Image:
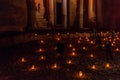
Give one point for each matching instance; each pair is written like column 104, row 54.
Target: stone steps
column 41, row 22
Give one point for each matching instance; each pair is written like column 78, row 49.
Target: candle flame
column 80, row 74
column 23, row 60
column 93, row 67
column 91, row 55
column 107, row 65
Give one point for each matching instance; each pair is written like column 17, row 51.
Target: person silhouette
column 98, row 41
column 109, row 53
column 38, row 8
column 60, row 49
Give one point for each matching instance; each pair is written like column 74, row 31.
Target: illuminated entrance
column 52, row 13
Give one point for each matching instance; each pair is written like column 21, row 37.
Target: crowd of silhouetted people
column 108, row 47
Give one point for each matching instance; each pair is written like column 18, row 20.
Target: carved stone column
column 91, row 10
column 99, row 12
column 51, row 12
column 81, row 13
column 64, row 2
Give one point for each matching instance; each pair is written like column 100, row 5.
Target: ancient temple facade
column 21, row 15
column 68, row 13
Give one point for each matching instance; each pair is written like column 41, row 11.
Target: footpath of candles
column 81, row 59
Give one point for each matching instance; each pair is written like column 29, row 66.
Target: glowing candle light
column 91, row 55
column 93, row 67
column 91, row 42
column 79, row 38
column 110, row 40
column 107, row 32
column 86, row 37
column 80, row 74
column 47, row 34
column 78, row 41
column 58, row 33
column 40, row 50
column 32, row 68
column 112, row 44
column 103, row 45
column 88, row 40
column 42, row 41
column 68, row 33
column 55, row 66
column 23, row 60
column 117, row 32
column 42, row 58
column 117, row 49
column 58, row 39
column 36, row 34
column 76, row 33
column 84, row 48
column 109, row 36
column 70, row 45
column 73, row 49
column 69, row 62
column 73, row 54
column 114, row 39
column 117, row 38
column 107, row 65
column 55, row 48
column 104, row 39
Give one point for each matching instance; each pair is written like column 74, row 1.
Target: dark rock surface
column 13, row 15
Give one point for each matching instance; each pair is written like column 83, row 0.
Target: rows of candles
column 74, row 52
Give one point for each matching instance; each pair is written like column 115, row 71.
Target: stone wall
column 13, row 15
column 111, row 14
column 72, row 11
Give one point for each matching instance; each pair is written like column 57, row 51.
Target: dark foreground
column 81, row 60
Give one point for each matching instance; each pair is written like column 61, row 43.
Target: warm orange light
column 40, row 50
column 58, row 33
column 80, row 74
column 58, row 39
column 91, row 42
column 36, row 34
column 104, row 39
column 70, row 45
column 112, row 44
column 47, row 34
column 88, row 40
column 42, row 41
column 91, row 55
column 73, row 49
column 84, row 48
column 55, row 66
column 79, row 38
column 93, row 67
column 68, row 33
column 78, row 41
column 23, row 60
column 42, row 58
column 110, row 40
column 117, row 49
column 32, row 68
column 117, row 38
column 73, row 54
column 103, row 45
column 69, row 62
column 107, row 65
